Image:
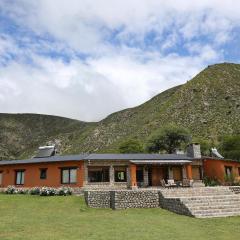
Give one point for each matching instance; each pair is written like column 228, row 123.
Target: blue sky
column 86, row 59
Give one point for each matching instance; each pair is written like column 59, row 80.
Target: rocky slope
column 209, row 105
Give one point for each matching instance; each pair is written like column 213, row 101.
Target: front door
column 177, row 173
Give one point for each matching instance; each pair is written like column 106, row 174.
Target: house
column 101, row 170
column 222, row 170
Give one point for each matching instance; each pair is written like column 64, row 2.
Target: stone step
column 215, row 212
column 212, row 204
column 223, row 207
column 217, row 215
column 197, row 193
column 205, row 204
column 208, row 199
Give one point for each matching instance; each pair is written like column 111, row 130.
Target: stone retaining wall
column 173, row 205
column 97, row 199
column 134, row 199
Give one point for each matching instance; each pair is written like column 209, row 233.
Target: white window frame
column 69, row 175
column 20, row 177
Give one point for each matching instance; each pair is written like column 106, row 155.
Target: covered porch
column 151, row 173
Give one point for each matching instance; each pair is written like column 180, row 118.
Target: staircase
column 202, row 202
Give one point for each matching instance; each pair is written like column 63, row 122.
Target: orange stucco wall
column 189, row 171
column 133, row 171
column 32, row 174
column 214, row 168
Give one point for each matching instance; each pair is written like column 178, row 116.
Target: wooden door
column 177, row 173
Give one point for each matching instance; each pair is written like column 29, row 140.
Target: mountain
column 209, row 105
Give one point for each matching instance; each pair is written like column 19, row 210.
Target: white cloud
column 92, row 89
column 127, row 46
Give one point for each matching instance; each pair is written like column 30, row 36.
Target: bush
column 34, row 191
column 10, row 190
column 14, row 190
column 229, row 179
column 21, row 191
column 41, row 191
column 211, row 182
column 48, row 191
column 64, row 191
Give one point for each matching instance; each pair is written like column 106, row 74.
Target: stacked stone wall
column 97, row 199
column 173, row 205
column 134, row 199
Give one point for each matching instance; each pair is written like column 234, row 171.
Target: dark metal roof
column 221, row 159
column 137, row 156
column 160, row 162
column 55, row 158
column 79, row 157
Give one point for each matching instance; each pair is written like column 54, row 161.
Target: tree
column 230, row 147
column 168, row 138
column 131, row 146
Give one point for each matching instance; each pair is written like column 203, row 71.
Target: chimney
column 194, row 150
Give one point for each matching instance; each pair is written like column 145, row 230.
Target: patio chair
column 164, row 184
column 187, row 183
column 172, row 183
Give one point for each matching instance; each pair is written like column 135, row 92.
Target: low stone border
column 235, row 189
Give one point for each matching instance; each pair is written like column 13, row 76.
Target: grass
column 43, row 218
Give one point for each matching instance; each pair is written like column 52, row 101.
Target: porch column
column 111, row 175
column 128, row 177
column 133, row 171
column 170, row 172
column 184, row 173
column 85, row 181
column 81, row 174
column 189, row 171
column 145, row 176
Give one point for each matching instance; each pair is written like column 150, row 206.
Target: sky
column 85, row 59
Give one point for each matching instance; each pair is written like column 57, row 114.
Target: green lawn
column 43, row 218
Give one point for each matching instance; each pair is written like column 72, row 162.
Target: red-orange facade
column 32, row 174
column 219, row 169
column 212, row 168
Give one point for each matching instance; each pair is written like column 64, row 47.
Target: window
column 20, row 177
column 43, row 173
column 120, row 174
column 1, row 177
column 98, row 174
column 69, row 175
column 228, row 171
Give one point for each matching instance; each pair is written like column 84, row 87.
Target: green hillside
column 209, row 105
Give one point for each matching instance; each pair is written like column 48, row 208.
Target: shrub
column 211, row 182
column 34, row 191
column 229, row 179
column 64, row 191
column 10, row 190
column 42, row 191
column 48, row 191
column 21, row 191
